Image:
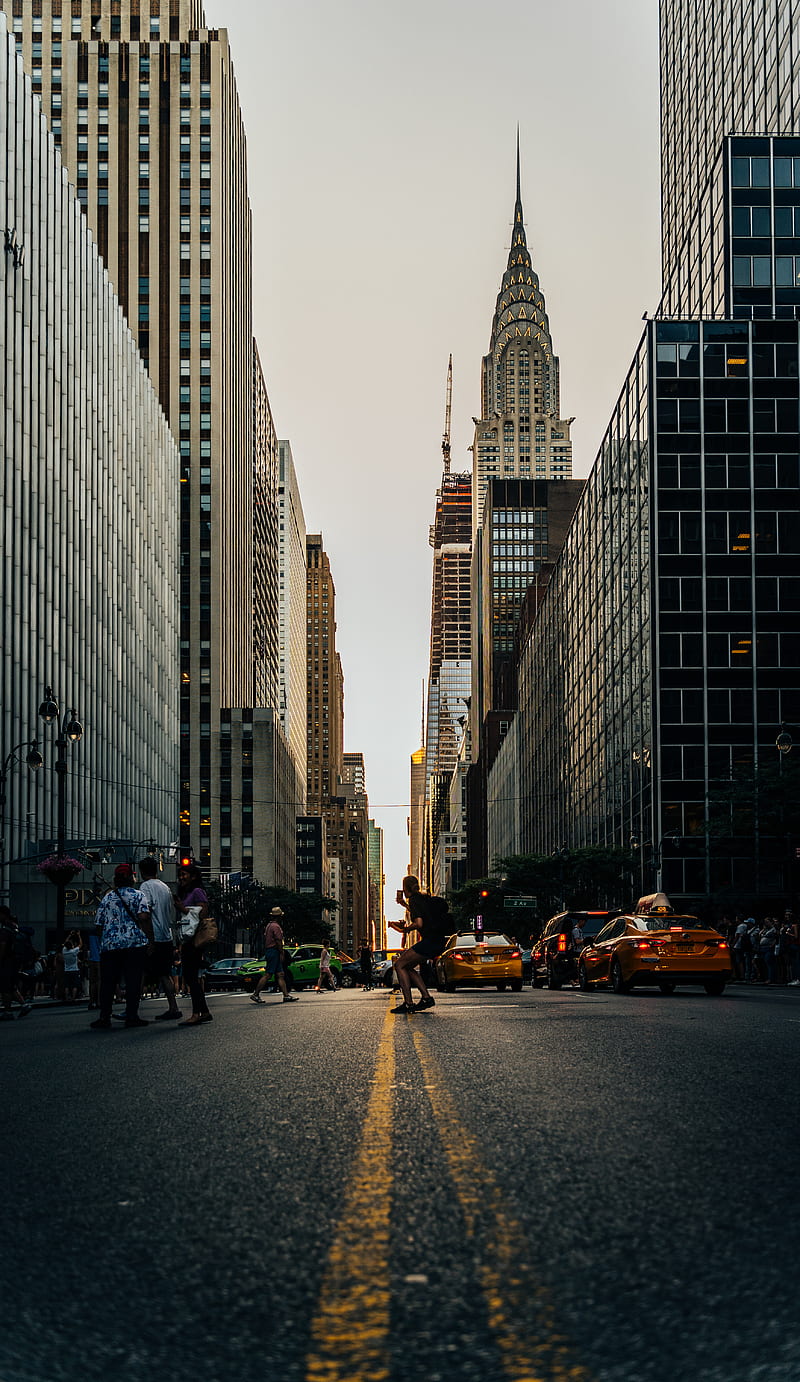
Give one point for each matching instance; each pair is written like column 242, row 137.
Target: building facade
column 88, row 546
column 292, row 585
column 726, row 69
column 376, row 918
column 312, row 855
column 449, row 673
column 416, row 819
column 666, row 653
column 141, row 97
column 324, row 681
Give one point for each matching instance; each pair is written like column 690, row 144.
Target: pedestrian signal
column 186, row 861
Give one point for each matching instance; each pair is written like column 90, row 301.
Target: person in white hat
column 273, row 942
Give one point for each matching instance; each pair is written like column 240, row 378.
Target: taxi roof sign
column 654, row 905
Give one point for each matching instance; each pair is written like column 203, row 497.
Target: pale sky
column 381, row 144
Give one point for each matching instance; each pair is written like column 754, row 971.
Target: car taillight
column 722, row 945
column 562, row 943
column 645, row 945
column 457, row 955
column 515, row 955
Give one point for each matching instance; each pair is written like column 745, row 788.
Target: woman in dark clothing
column 191, row 893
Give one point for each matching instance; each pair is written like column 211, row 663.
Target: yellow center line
column 511, row 1292
column 350, row 1331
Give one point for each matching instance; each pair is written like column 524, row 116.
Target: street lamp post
column 70, row 731
column 34, row 760
column 561, row 854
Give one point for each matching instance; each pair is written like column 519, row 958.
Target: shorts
column 428, row 950
column 160, row 960
column 72, row 979
column 274, row 963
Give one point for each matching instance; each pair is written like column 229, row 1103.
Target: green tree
column 596, row 876
column 237, row 909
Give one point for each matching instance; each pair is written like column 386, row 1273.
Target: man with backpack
column 431, row 917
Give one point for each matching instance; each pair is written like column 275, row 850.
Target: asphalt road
column 535, row 1187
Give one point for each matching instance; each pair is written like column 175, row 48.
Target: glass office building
column 666, row 653
column 89, row 548
column 726, row 68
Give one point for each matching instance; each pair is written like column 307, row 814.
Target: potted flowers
column 60, row 868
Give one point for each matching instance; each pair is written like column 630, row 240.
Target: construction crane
column 447, row 414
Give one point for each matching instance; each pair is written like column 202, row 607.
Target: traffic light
column 185, row 861
column 484, row 894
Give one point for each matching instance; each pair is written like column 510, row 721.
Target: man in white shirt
column 162, row 911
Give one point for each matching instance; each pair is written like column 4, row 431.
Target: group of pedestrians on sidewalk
column 136, row 926
column 767, row 951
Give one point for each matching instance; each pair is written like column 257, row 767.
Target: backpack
column 438, row 909
column 24, row 952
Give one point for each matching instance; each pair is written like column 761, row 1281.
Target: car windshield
column 464, row 942
column 670, row 924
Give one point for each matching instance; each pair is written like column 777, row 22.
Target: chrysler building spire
column 520, row 433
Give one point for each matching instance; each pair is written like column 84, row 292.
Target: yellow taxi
column 478, row 959
column 657, row 947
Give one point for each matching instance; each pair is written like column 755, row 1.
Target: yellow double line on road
column 350, row 1331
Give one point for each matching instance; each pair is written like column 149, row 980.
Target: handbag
column 188, row 923
column 207, row 931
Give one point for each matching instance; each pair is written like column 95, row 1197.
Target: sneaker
column 424, row 1003
column 25, row 1009
column 119, row 1017
column 255, row 997
column 102, row 1024
column 168, row 1015
column 290, row 998
column 204, row 1017
column 404, row 1008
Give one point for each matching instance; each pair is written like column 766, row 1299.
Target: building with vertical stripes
column 89, row 540
column 141, row 98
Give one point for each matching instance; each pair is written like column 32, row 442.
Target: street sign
column 523, row 903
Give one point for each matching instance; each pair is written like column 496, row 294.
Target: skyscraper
column 449, row 673
column 666, row 651
column 522, row 501
column 377, row 880
column 324, row 682
column 292, row 585
column 726, row 69
column 520, row 432
column 142, row 99
column 88, row 549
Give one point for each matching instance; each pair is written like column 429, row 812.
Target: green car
column 303, row 967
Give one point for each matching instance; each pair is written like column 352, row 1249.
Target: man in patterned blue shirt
column 126, row 933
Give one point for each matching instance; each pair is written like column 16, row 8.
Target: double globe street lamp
column 33, row 760
column 70, row 731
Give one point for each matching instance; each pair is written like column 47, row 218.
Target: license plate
column 486, row 959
